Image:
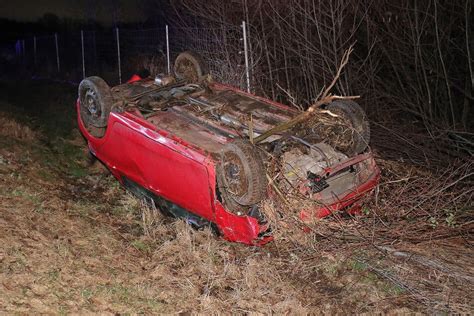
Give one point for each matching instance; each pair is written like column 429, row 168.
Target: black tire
column 96, row 102
column 190, row 66
column 355, row 116
column 241, row 176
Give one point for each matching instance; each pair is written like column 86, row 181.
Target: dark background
column 412, row 61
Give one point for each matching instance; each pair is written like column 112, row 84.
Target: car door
column 159, row 164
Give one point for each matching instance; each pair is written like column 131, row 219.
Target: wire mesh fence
column 116, row 54
column 221, row 49
column 100, row 55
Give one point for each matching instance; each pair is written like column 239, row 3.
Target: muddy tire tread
column 197, row 61
column 359, row 121
column 96, row 127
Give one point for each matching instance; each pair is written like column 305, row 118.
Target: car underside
column 187, row 145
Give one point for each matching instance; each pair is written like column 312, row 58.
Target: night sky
column 100, row 10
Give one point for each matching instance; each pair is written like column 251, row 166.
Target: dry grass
column 67, row 246
column 9, row 127
column 72, row 241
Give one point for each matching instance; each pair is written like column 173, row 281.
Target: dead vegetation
column 415, row 232
column 72, row 241
column 69, row 247
column 11, row 128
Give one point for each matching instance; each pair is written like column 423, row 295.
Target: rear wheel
column 240, row 176
column 96, row 102
column 355, row 119
column 190, row 67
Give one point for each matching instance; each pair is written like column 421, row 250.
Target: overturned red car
column 185, row 144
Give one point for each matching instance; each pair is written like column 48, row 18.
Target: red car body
column 144, row 152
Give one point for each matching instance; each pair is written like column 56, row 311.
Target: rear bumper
column 350, row 201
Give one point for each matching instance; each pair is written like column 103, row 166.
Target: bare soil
column 73, row 241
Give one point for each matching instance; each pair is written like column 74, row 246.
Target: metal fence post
column 168, row 50
column 57, row 50
column 83, row 58
column 118, row 54
column 246, row 55
column 34, row 49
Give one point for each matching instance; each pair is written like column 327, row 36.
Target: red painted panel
column 157, row 163
column 159, row 169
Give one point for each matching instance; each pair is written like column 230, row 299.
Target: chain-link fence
column 116, row 54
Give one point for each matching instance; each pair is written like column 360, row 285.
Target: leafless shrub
column 412, row 61
column 154, row 63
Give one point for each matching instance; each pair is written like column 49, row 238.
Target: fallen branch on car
column 325, row 98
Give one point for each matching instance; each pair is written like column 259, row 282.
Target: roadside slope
column 72, row 240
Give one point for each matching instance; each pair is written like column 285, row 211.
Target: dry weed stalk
column 411, row 205
column 151, row 217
